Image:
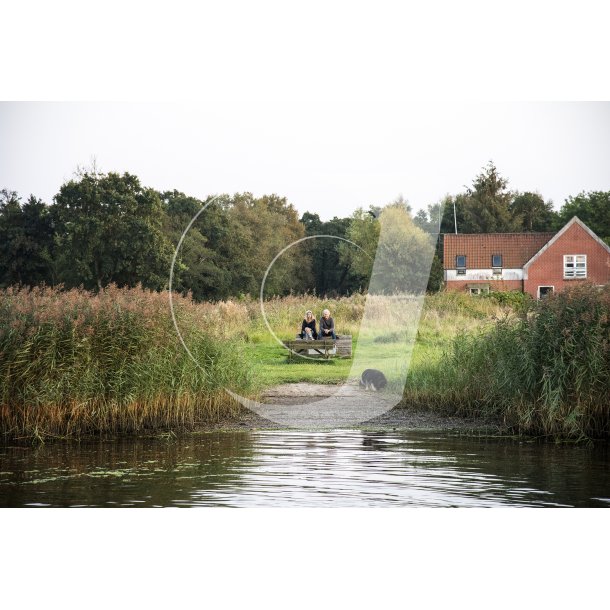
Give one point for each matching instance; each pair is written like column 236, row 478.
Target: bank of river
column 296, row 401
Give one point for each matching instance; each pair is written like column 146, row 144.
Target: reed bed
column 73, row 363
column 545, row 371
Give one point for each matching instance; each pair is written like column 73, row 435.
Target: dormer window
column 496, row 263
column 460, row 264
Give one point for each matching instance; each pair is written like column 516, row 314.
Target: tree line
column 104, row 228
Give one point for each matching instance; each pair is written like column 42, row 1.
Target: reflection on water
column 291, row 468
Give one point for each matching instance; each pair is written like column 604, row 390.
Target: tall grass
column 72, row 362
column 545, row 371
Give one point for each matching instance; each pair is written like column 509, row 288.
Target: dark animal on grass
column 373, row 379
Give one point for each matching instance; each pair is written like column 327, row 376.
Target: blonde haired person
column 308, row 327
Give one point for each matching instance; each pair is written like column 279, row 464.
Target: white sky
column 327, row 158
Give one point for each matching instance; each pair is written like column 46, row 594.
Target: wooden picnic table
column 342, row 347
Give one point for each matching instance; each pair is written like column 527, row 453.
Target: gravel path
column 287, row 406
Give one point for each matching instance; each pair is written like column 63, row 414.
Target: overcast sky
column 325, row 158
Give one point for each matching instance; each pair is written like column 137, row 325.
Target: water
column 293, row 468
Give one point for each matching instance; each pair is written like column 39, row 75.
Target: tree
column 400, row 202
column 109, row 229
column 532, row 213
column 593, row 208
column 436, row 278
column 432, row 221
column 402, row 258
column 26, row 241
column 403, row 255
column 329, row 275
column 200, row 266
column 259, row 228
column 363, row 230
column 485, row 207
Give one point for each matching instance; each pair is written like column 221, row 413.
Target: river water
column 300, row 468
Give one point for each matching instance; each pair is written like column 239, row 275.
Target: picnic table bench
column 325, row 348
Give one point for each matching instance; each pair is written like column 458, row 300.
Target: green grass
column 273, row 367
column 384, row 345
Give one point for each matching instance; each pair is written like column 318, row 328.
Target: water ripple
column 299, row 468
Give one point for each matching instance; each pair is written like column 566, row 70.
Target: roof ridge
column 513, row 233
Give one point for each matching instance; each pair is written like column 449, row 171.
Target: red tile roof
column 516, row 248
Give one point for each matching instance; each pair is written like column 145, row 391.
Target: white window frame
column 477, row 291
column 539, row 287
column 573, row 268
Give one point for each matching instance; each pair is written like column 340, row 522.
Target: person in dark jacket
column 327, row 326
column 308, row 327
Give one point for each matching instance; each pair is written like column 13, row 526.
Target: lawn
column 383, row 343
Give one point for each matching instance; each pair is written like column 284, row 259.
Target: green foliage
column 485, row 208
column 201, row 266
column 545, row 372
column 519, row 301
column 488, row 207
column 329, row 275
column 402, row 258
column 404, row 254
column 259, row 228
column 26, row 241
column 364, row 231
column 436, row 277
column 533, row 213
column 109, row 229
column 593, row 208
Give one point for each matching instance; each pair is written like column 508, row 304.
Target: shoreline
column 395, row 419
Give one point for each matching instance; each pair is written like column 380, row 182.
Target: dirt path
column 287, row 406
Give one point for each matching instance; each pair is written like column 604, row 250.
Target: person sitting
column 327, row 326
column 308, row 327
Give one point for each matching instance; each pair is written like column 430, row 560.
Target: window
column 460, row 264
column 545, row 291
column 496, row 260
column 478, row 289
column 574, row 266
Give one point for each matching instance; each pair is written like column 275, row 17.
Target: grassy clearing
column 383, row 340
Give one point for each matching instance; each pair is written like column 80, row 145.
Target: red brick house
column 537, row 263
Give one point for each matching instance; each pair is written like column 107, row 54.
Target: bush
column 514, row 298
